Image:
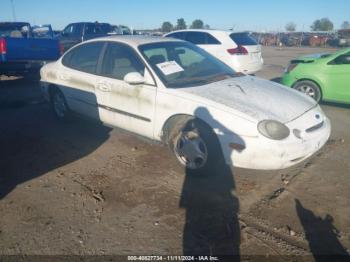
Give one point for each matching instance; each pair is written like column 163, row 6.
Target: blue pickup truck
column 24, row 49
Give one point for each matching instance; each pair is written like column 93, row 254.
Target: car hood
column 258, row 98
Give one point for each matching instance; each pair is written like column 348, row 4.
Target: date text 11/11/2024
column 173, row 258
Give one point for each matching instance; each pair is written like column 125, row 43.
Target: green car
column 324, row 77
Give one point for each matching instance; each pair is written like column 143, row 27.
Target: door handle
column 104, row 87
column 63, row 77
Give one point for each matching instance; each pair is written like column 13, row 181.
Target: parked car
column 24, row 49
column 238, row 50
column 322, row 76
column 172, row 91
column 75, row 33
column 344, row 37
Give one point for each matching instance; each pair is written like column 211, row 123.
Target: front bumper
column 288, row 80
column 266, row 154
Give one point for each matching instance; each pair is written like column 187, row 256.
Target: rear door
column 77, row 78
column 127, row 106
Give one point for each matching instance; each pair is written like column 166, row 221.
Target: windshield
column 182, row 64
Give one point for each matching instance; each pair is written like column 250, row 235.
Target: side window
column 119, row 60
column 89, row 29
column 77, row 30
column 342, row 60
column 84, row 57
column 178, row 35
column 197, row 38
column 211, row 40
column 68, row 30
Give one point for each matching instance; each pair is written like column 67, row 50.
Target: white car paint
column 232, row 107
column 248, row 64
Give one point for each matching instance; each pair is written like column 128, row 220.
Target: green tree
column 345, row 25
column 291, row 26
column 181, row 24
column 207, row 26
column 323, row 24
column 197, row 24
column 167, row 27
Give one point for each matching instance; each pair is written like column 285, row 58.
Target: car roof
column 210, row 31
column 88, row 23
column 135, row 40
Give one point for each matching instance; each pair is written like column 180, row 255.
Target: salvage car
column 236, row 49
column 172, row 91
column 324, row 77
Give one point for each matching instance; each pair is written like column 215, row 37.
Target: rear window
column 243, row 39
column 14, row 30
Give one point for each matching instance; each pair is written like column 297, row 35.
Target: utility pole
column 13, row 11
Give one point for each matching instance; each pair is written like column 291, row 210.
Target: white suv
column 236, row 49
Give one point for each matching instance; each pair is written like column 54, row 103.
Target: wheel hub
column 191, row 150
column 308, row 91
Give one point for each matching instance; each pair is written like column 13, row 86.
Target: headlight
column 273, row 129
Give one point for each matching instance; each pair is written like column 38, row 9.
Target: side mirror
column 134, row 78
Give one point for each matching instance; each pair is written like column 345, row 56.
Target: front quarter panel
column 229, row 127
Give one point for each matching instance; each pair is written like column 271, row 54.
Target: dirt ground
column 84, row 189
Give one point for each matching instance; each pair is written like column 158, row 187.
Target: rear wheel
column 309, row 88
column 59, row 105
column 196, row 147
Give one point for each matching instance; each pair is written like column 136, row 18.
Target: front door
column 127, row 106
column 338, row 74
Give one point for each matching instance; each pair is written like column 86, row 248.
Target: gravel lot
column 81, row 188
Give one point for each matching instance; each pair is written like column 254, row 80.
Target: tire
column 59, row 105
column 195, row 146
column 310, row 89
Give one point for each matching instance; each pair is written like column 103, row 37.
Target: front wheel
column 196, row 147
column 310, row 89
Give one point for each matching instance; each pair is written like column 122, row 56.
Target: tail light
column 61, row 48
column 3, row 47
column 290, row 67
column 239, row 50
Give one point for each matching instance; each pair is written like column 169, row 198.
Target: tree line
column 181, row 24
column 323, row 24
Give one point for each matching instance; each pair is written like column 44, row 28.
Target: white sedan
column 172, row 91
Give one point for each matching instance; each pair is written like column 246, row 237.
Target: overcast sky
column 255, row 15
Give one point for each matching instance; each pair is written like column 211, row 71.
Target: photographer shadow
column 211, row 226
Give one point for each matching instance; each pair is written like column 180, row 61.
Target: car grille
column 314, row 128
